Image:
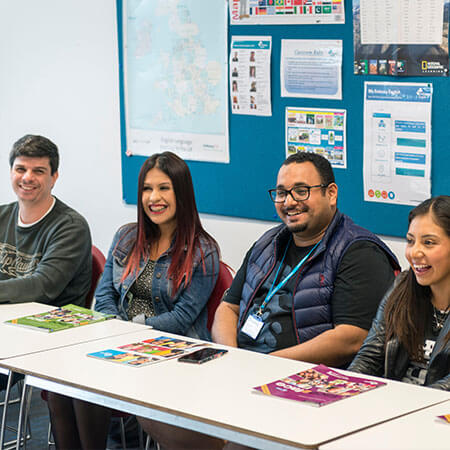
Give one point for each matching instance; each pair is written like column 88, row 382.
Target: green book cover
column 68, row 316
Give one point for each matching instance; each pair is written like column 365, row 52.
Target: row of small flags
column 261, row 7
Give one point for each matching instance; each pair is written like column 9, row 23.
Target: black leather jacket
column 392, row 361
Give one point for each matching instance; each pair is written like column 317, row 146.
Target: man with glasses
column 308, row 289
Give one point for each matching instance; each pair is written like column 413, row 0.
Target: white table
column 216, row 398
column 10, row 310
column 421, row 430
column 18, row 341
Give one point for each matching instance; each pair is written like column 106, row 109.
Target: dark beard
column 298, row 228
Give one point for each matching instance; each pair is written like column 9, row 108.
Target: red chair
column 98, row 265
column 223, row 282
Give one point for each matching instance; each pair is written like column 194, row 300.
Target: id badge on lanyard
column 252, row 326
column 254, row 323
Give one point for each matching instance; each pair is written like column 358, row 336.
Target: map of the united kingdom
column 176, row 66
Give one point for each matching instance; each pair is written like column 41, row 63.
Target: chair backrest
column 223, row 282
column 98, row 265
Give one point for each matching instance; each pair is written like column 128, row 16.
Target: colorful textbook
column 148, row 351
column 319, row 385
column 68, row 316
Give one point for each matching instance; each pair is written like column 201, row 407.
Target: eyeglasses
column 298, row 193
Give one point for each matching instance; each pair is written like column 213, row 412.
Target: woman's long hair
column 189, row 229
column 409, row 309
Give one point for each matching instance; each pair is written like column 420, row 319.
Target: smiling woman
column 160, row 271
column 410, row 336
column 428, row 253
column 168, row 231
column 160, row 206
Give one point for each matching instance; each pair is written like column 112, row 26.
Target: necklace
column 440, row 317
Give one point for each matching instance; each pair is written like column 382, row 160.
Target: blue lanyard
column 272, row 290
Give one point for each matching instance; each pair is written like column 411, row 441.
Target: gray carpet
column 39, row 425
column 39, row 420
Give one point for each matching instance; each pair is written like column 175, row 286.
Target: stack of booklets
column 149, row 351
column 58, row 319
column 319, row 385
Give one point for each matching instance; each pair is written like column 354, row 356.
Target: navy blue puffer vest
column 311, row 307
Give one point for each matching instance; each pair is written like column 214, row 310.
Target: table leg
column 5, row 408
column 26, row 417
column 23, row 413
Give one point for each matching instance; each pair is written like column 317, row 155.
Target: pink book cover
column 319, row 385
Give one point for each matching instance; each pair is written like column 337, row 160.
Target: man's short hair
column 322, row 165
column 34, row 146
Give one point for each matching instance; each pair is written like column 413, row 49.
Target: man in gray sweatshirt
column 45, row 246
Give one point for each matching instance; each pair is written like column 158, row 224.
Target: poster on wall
column 286, row 12
column 250, row 75
column 176, row 78
column 311, row 68
column 397, row 142
column 401, row 37
column 320, row 131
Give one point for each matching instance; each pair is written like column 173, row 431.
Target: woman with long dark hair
column 163, row 268
column 159, row 271
column 409, row 337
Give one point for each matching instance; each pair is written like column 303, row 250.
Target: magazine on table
column 69, row 316
column 148, row 351
column 319, row 385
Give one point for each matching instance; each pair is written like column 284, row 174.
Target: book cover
column 148, row 351
column 319, row 385
column 173, row 343
column 58, row 319
column 445, row 418
column 128, row 358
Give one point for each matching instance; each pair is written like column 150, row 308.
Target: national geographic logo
column 17, row 264
column 432, row 67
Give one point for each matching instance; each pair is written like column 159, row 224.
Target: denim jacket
column 185, row 313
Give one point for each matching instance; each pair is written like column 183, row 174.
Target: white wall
column 59, row 78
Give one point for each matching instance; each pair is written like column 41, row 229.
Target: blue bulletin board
column 257, row 144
